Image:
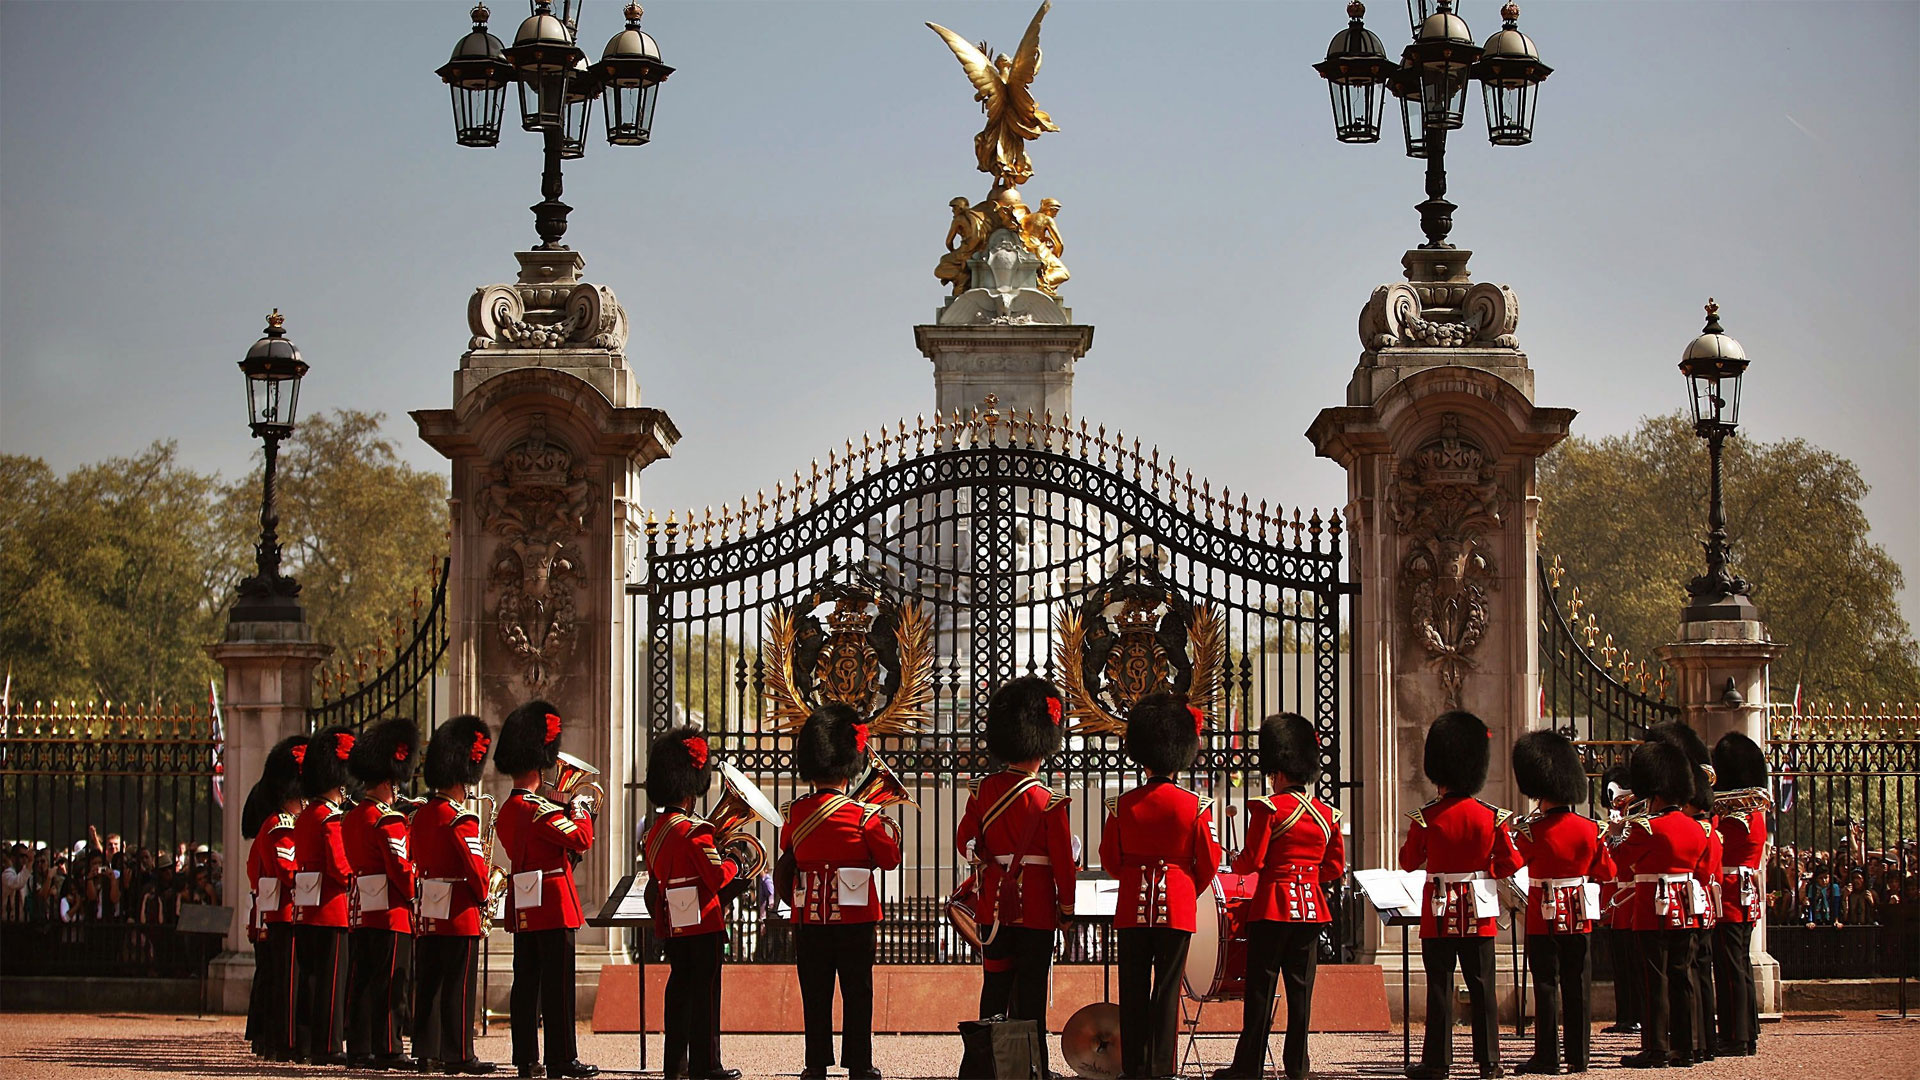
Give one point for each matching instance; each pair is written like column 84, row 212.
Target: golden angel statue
column 1001, row 85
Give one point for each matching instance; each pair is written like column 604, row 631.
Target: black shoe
column 469, row 1067
column 1425, row 1071
column 428, row 1065
column 328, row 1059
column 531, row 1070
column 359, row 1061
column 576, row 1067
column 1621, row 1029
column 1544, row 1066
column 868, row 1073
column 813, row 1072
column 722, row 1074
column 1491, row 1072
column 1645, row 1059
column 1680, row 1061
column 394, row 1061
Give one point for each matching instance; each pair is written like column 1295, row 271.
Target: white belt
column 1560, row 882
column 1743, row 871
column 1031, row 860
column 1449, row 879
column 1665, row 878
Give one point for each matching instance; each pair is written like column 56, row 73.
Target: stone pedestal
column 547, row 440
column 1439, row 438
column 269, row 684
column 1707, row 657
column 1004, row 337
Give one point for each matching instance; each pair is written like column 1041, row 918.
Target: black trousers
column 1562, row 1006
column 275, row 992
column 542, row 996
column 1733, row 991
column 378, row 985
column 321, row 953
column 1276, row 950
column 1629, row 982
column 256, row 999
column 1151, row 961
column 443, row 1000
column 1475, row 957
column 692, row 1006
column 1666, row 959
column 1704, row 1018
column 823, row 952
column 1019, row 965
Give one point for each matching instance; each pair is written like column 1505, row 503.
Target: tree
column 1626, row 514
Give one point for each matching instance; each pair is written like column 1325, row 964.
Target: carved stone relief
column 1440, row 315
column 1445, row 499
column 537, row 501
column 553, row 316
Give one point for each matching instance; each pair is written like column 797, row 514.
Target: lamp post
column 1431, row 82
column 1714, row 365
column 557, row 89
column 273, row 368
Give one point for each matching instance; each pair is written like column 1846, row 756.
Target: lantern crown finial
column 276, row 324
column 1510, row 12
column 480, row 13
column 1713, row 317
column 634, row 11
column 1356, row 10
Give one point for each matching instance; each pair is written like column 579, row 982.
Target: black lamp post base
column 1721, row 607
column 274, row 599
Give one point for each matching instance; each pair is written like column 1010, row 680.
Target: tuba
column 1742, row 801
column 881, row 787
column 741, row 804
column 570, row 781
column 482, row 806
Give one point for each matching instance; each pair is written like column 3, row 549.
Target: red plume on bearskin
column 1023, row 720
column 457, row 753
column 677, row 768
column 529, row 740
column 388, row 751
column 324, row 767
column 281, row 773
column 1163, row 735
column 827, row 747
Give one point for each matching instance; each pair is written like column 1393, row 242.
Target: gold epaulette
column 1054, row 798
column 541, row 805
column 392, row 815
column 1419, row 817
column 1262, row 800
column 464, row 815
column 287, row 821
column 1206, row 803
column 1500, row 814
column 1339, row 815
column 1113, row 804
column 973, row 785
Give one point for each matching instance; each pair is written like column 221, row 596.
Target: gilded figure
column 1001, row 87
column 1042, row 235
column 966, row 236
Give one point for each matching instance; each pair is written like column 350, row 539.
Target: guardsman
column 689, row 877
column 268, row 819
column 1466, row 848
column 542, row 841
column 1016, row 831
column 320, row 884
column 836, row 845
column 1616, row 914
column 253, row 814
column 1662, row 849
column 1158, row 843
column 451, row 859
column 380, row 935
column 1567, row 862
column 1739, row 764
column 1699, row 807
column 1294, row 844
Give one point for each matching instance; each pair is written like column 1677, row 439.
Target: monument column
column 547, row 441
column 1439, row 437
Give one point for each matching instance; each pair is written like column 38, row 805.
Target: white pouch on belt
column 371, row 889
column 853, row 882
column 306, row 888
column 269, row 894
column 526, row 889
column 1590, row 892
column 1486, row 898
column 683, row 906
column 1696, row 897
column 436, row 899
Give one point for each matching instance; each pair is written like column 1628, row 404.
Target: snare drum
column 1217, row 957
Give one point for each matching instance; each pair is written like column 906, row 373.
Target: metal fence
column 1593, row 689
column 365, row 687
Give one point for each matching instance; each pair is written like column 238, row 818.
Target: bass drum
column 1217, row 956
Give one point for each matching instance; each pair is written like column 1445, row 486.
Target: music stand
column 627, row 906
column 204, row 920
column 1397, row 905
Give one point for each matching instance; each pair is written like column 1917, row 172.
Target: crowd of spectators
column 1847, row 886
column 101, row 880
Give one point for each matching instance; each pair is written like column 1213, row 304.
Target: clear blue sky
column 170, row 171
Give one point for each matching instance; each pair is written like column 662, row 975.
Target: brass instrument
column 1091, row 1041
column 407, row 806
column 571, row 778
column 741, row 804
column 1742, row 800
column 481, row 806
column 881, row 787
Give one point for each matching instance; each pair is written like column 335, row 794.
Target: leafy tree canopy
column 1626, row 514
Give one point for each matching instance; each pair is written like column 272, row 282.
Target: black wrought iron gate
column 922, row 571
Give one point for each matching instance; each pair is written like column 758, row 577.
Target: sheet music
column 1394, row 892
column 1099, row 897
column 633, row 905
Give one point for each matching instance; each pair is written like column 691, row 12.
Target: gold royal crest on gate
column 870, row 652
column 1135, row 635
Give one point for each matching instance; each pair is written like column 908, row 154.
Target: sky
column 171, row 171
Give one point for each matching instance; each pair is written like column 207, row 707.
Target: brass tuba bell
column 881, row 787
column 741, row 804
column 571, row 776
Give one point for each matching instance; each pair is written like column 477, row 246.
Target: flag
column 219, row 747
column 1784, row 784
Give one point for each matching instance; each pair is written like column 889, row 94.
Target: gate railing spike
column 1136, row 459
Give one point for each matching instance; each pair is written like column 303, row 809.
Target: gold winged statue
column 1001, row 89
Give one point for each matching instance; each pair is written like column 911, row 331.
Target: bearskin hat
column 831, row 746
column 529, row 740
column 1691, row 744
column 679, row 767
column 1457, row 752
column 281, row 773
column 1288, row 745
column 1738, row 762
column 389, row 750
column 1547, row 767
column 1661, row 769
column 457, row 753
column 1025, row 720
column 325, row 765
column 1163, row 733
column 260, row 806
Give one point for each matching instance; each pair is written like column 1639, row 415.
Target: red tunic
column 1159, row 843
column 257, row 859
column 375, row 836
column 681, row 854
column 1563, row 852
column 1458, row 840
column 1743, row 886
column 445, row 845
column 852, row 836
column 1708, row 872
column 1662, row 852
column 317, row 849
column 1294, row 841
column 540, row 835
column 277, row 861
column 1033, row 824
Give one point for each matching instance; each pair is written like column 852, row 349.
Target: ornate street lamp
column 1431, row 82
column 557, row 89
column 273, row 368
column 1714, row 365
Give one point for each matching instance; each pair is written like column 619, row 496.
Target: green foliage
column 1626, row 514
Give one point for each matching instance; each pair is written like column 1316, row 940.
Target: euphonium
column 1742, row 800
column 482, row 806
column 571, row 777
column 741, row 804
column 881, row 787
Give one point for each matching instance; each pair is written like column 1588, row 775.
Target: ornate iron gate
column 914, row 575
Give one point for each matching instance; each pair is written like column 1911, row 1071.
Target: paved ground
column 1851, row 1046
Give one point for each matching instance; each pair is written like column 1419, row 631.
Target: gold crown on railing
column 1843, row 720
column 1651, row 677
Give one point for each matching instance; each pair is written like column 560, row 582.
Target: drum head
column 1203, row 952
column 1091, row 1041
column 751, row 794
